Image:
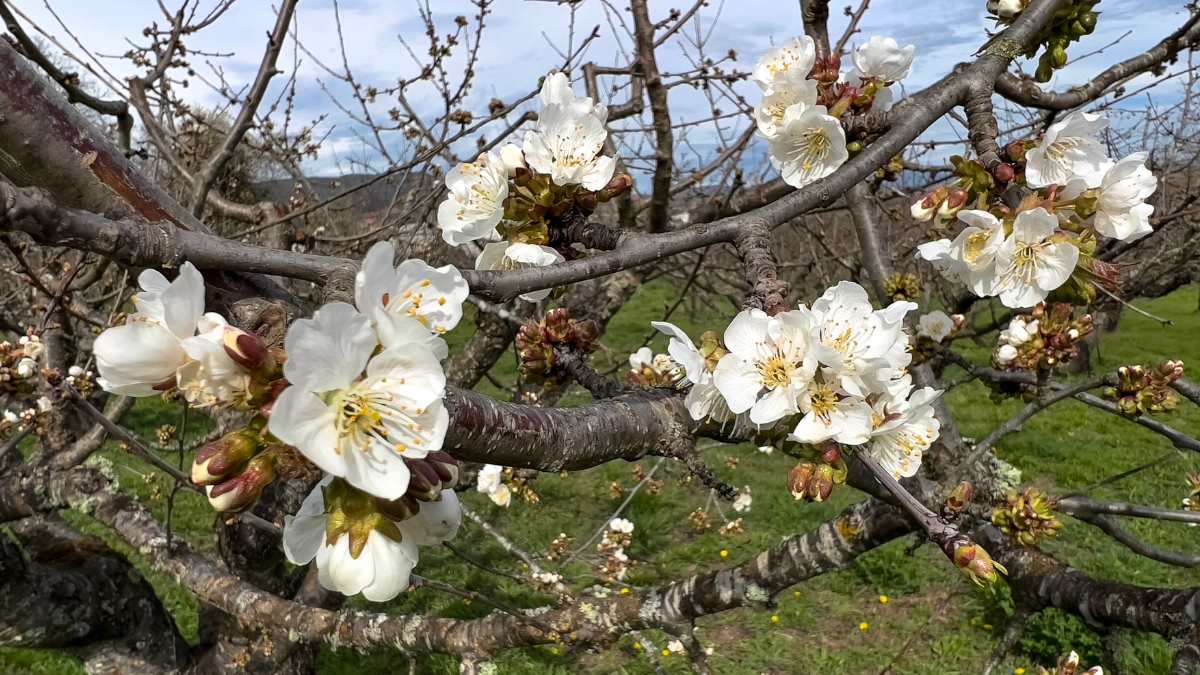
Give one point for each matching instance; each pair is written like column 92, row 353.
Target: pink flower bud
column 223, row 457
column 241, row 491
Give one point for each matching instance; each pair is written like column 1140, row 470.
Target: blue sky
column 523, row 36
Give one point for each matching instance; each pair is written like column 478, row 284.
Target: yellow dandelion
column 774, row 618
column 796, row 594
column 864, row 626
column 883, row 599
column 666, row 652
column 724, row 553
column 625, row 591
column 1019, row 671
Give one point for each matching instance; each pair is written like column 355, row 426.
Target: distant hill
column 373, row 198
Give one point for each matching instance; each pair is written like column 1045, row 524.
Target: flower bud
column 619, row 184
column 821, row 485
column 586, row 201
column 223, row 457
column 799, row 477
column 423, row 482
column 975, row 562
column 247, row 349
column 446, row 468
column 960, row 497
column 399, row 509
column 26, row 368
column 1004, row 173
column 512, row 158
column 242, row 490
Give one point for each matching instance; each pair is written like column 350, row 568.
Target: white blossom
column 768, row 366
column 490, row 482
column 1069, row 149
column 903, row 427
column 1006, row 354
column 935, row 325
column 862, row 347
column 743, row 501
column 971, row 257
column 356, row 414
column 1029, row 263
column 512, row 158
column 884, row 59
column 1121, row 209
column 621, row 525
column 43, row 404
column 412, row 303
column 383, row 567
column 26, row 368
column 475, row 203
column 791, row 90
column 1005, row 9
column 140, row 358
column 501, row 255
column 792, row 60
column 568, row 138
column 11, row 417
column 1019, row 331
column 807, row 146
column 832, row 414
column 703, row 399
column 211, row 378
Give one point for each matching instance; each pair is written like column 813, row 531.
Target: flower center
column 365, row 416
column 1058, row 150
column 776, row 371
column 823, row 402
column 811, row 148
column 843, row 342
column 976, row 244
column 1025, row 262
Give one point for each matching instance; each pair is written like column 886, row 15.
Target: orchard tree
column 861, row 259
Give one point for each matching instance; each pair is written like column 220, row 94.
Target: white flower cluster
column 365, row 396
column 491, row 483
column 805, row 142
column 614, row 562
column 565, row 145
column 171, row 342
column 836, row 370
column 1019, row 331
column 1022, row 261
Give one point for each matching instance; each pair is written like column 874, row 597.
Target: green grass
column 934, row 622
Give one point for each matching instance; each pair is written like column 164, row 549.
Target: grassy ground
column 931, row 622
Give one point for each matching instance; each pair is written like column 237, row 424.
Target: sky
column 523, row 40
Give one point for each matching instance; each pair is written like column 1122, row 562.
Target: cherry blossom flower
column 1005, row 9
column 141, row 357
column 791, row 90
column 1069, row 149
column 501, row 255
column 380, row 566
column 903, row 427
column 935, row 325
column 568, row 138
column 211, row 378
column 796, row 58
column 621, row 525
column 1030, row 264
column 490, row 482
column 1121, row 209
column 971, row 257
column 807, row 146
column 412, row 303
column 743, row 501
column 768, row 366
column 475, row 203
column 830, row 413
column 354, row 414
column 884, row 59
column 512, row 158
column 862, row 347
column 703, row 399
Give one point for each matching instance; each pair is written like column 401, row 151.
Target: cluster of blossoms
column 1077, row 194
column 1046, row 338
column 19, row 366
column 813, row 480
column 1069, row 665
column 648, row 369
column 513, row 198
column 491, row 483
column 1192, row 501
column 832, row 372
column 805, row 99
column 538, row 344
column 1027, row 517
column 357, row 390
column 1142, row 390
column 614, row 562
